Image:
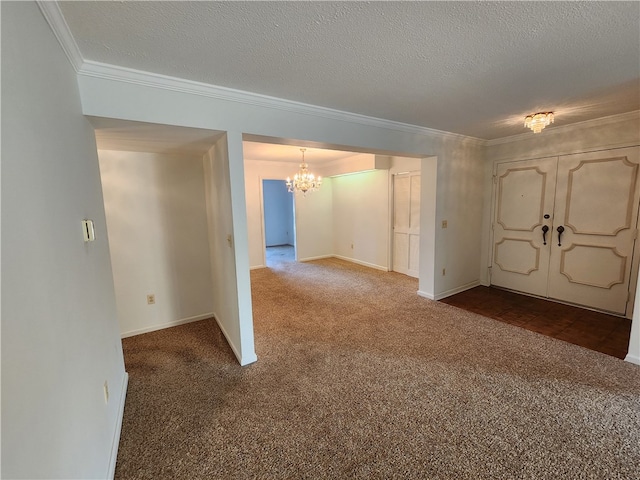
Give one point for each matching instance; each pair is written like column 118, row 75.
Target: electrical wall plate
column 88, row 230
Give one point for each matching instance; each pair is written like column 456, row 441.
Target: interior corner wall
column 361, row 218
column 229, row 303
column 60, row 339
column 158, row 237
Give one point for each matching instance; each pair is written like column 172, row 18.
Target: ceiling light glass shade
column 304, row 181
column 538, row 121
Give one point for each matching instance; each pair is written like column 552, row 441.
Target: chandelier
column 538, row 121
column 303, row 181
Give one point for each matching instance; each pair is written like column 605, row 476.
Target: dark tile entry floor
column 597, row 331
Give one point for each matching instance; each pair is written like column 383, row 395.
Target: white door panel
column 406, row 223
column 597, row 206
column 524, row 195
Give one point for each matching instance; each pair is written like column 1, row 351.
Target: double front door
column 565, row 227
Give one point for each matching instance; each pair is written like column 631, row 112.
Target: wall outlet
column 106, row 392
column 444, row 224
column 151, row 299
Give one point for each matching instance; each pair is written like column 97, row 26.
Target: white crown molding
column 621, row 117
column 58, row 24
column 138, row 77
column 60, row 28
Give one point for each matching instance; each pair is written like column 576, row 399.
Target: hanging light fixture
column 538, row 121
column 304, row 181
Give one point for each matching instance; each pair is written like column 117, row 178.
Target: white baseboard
column 319, row 257
column 256, row 267
column 116, row 435
column 360, row 262
column 632, row 359
column 247, row 359
column 161, row 326
column 453, row 291
column 425, row 295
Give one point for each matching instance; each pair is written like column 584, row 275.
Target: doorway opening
column 279, row 223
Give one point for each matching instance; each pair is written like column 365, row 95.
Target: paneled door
column 406, row 223
column 565, row 227
column 525, row 193
column 596, row 211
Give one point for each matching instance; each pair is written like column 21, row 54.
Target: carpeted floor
column 358, row 377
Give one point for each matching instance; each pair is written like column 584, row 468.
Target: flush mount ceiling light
column 303, row 181
column 538, row 121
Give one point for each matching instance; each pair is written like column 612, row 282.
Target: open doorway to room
column 279, row 224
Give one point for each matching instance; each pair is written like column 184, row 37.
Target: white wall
column 404, row 164
column 361, row 218
column 229, row 247
column 278, row 213
column 314, row 223
column 60, row 339
column 157, row 223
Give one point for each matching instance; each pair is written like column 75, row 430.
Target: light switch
column 88, row 231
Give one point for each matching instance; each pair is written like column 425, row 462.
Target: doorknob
column 560, row 230
column 545, row 229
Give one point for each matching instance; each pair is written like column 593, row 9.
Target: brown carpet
column 358, row 377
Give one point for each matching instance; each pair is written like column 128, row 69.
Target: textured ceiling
column 474, row 68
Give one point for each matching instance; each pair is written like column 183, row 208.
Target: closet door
column 595, row 226
column 406, row 223
column 524, row 204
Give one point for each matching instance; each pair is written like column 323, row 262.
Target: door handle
column 545, row 229
column 560, row 230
